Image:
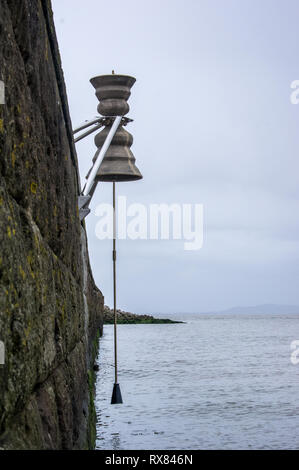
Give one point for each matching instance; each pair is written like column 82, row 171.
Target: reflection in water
column 115, row 441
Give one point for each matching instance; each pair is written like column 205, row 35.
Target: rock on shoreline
column 126, row 317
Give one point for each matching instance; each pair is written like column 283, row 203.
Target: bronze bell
column 118, row 164
column 113, row 91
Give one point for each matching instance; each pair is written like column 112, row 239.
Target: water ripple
column 216, row 382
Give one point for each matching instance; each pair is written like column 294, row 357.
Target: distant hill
column 262, row 309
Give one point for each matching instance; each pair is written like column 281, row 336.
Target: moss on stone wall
column 50, row 308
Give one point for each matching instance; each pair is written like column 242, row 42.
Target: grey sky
column 213, row 125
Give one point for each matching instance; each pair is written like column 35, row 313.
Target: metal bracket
column 83, row 203
column 88, row 190
column 97, row 123
column 83, row 213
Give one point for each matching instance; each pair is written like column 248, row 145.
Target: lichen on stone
column 50, row 308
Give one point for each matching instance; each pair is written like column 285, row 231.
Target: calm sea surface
column 216, row 382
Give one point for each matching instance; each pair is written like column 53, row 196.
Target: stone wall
column 50, row 308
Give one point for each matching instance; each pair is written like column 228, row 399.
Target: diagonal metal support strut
column 90, row 184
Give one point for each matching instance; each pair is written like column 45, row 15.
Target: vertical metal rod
column 114, row 284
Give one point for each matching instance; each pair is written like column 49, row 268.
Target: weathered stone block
column 50, row 308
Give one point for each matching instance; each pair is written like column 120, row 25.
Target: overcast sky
column 213, row 124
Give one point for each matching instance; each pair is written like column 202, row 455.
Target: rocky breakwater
column 127, row 317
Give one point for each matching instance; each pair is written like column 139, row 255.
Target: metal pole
column 114, row 284
column 116, row 394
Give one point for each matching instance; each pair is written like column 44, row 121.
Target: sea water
column 214, row 382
